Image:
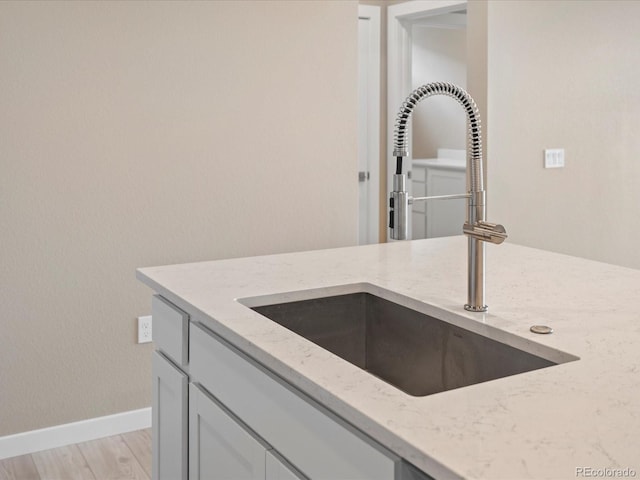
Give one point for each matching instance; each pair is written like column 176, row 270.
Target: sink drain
column 542, row 329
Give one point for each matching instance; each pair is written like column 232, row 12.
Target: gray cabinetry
column 222, row 447
column 277, row 468
column 170, row 391
column 217, row 414
column 313, row 439
column 169, row 435
column 219, row 448
column 171, row 330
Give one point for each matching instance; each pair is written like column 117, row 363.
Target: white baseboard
column 69, row 433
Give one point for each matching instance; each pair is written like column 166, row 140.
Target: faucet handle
column 485, row 231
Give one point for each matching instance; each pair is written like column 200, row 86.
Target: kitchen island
column 578, row 418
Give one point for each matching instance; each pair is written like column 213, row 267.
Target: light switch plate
column 554, row 158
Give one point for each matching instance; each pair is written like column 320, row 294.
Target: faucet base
column 474, row 308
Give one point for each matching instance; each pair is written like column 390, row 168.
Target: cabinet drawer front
column 218, row 446
column 170, row 330
column 315, row 441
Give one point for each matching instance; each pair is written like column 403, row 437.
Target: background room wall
column 438, row 55
column 147, row 133
column 477, row 63
column 565, row 74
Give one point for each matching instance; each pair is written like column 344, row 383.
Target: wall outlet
column 144, row 329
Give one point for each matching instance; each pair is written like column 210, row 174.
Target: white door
column 368, row 123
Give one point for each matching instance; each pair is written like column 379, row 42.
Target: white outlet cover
column 144, row 329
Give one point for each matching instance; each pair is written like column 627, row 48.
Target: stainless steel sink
column 413, row 351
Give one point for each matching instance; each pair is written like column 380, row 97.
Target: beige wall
column 477, row 38
column 136, row 134
column 565, row 74
column 438, row 55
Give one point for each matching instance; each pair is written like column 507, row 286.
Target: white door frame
column 399, row 24
column 372, row 13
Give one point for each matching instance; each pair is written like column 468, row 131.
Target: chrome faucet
column 475, row 226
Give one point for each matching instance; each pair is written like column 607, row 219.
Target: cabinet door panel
column 277, row 469
column 169, row 434
column 219, row 448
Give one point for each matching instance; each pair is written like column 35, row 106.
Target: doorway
column 426, row 43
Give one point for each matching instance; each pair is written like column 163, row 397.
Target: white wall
column 145, row 133
column 565, row 74
column 438, row 55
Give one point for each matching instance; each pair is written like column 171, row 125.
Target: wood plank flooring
column 125, row 456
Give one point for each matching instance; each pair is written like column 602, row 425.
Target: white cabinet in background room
column 445, row 175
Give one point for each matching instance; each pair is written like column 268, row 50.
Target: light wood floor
column 126, row 456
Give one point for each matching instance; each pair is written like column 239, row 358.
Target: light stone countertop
column 542, row 424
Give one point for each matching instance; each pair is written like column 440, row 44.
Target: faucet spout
column 475, row 227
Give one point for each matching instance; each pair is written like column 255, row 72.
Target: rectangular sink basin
column 413, row 351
